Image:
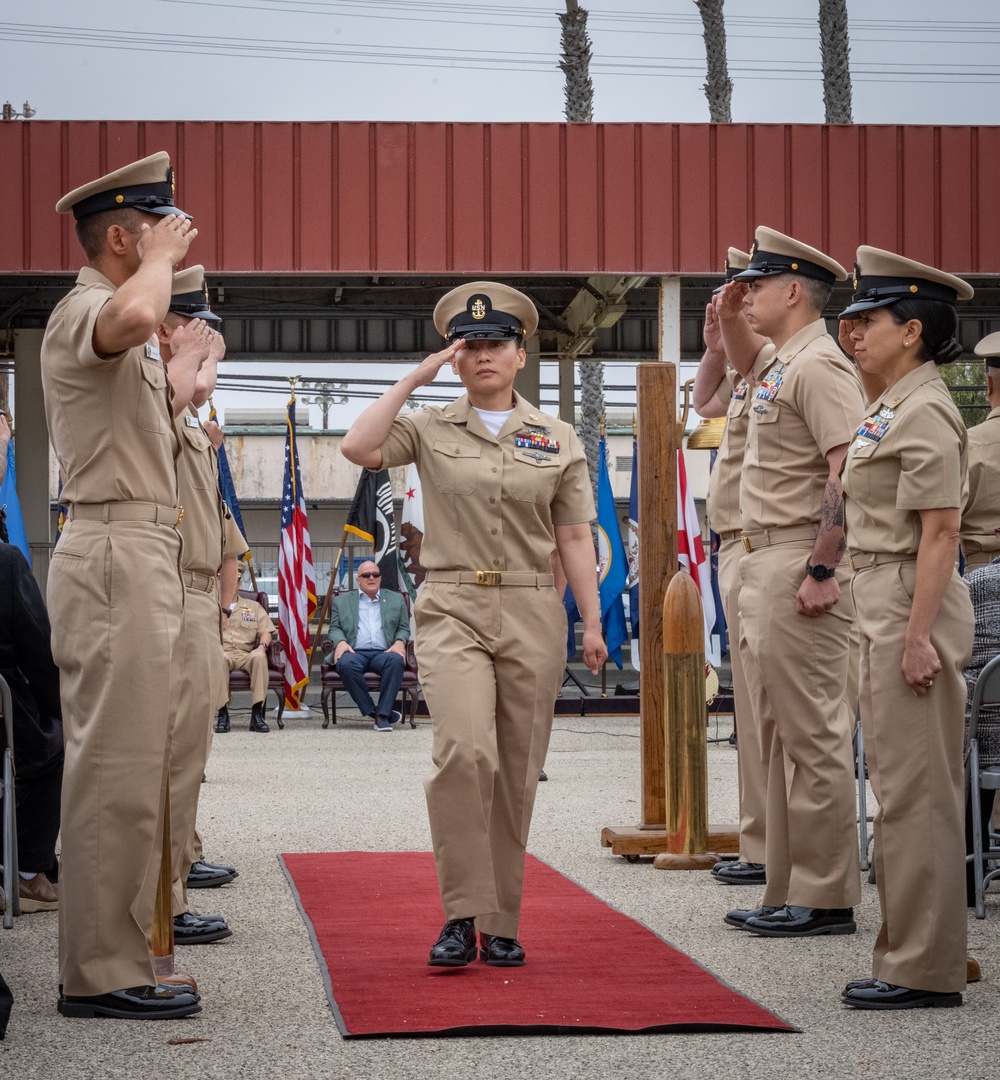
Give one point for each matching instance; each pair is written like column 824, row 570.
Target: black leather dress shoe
column 501, row 951
column 739, row 873
column 205, row 875
column 222, row 724
column 456, row 945
column 794, row 921
column 135, row 1003
column 738, row 916
column 190, row 930
column 881, row 995
column 257, row 721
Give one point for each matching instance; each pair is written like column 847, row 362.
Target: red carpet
column 591, row 970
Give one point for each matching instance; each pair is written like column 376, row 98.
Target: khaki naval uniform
column 490, row 656
column 210, row 536
column 981, row 515
column 808, row 402
column 724, row 517
column 116, row 602
column 910, row 455
column 240, row 634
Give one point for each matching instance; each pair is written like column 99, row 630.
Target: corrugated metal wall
column 519, row 198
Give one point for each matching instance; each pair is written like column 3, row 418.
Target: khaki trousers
column 914, row 747
column 116, row 604
column 797, row 672
column 490, row 662
column 751, row 776
column 256, row 664
column 203, row 659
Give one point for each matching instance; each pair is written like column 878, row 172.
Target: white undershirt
column 493, row 421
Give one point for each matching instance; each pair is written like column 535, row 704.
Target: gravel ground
column 265, row 1011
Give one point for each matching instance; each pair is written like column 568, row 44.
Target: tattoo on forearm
column 832, row 510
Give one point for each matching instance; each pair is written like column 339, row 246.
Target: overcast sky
column 912, row 61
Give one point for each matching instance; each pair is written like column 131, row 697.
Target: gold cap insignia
column 478, row 309
column 855, row 275
column 913, row 288
column 795, row 266
column 119, row 198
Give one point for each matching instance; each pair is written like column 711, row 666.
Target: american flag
column 691, row 555
column 296, row 579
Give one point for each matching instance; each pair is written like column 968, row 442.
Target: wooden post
column 685, row 749
column 163, row 915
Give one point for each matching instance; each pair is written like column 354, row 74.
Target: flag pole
column 249, row 559
column 326, row 603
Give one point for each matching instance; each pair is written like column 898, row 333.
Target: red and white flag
column 691, row 555
column 296, row 578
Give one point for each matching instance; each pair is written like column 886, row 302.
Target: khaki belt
column 127, row 511
column 732, row 534
column 865, row 560
column 200, row 582
column 785, row 534
column 491, row 577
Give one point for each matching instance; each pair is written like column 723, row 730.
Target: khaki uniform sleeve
column 233, row 542
column 79, row 320
column 264, row 624
column 832, row 405
column 574, row 500
column 402, row 444
column 724, row 393
column 931, row 456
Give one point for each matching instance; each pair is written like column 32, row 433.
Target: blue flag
column 226, row 487
column 12, row 506
column 613, row 572
column 633, row 545
column 572, row 618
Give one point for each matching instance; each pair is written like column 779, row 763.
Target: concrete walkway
column 265, row 1013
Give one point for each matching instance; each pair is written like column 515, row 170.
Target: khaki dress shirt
column 491, row 503
column 809, row 401
column 982, row 509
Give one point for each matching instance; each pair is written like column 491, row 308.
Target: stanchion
column 685, row 749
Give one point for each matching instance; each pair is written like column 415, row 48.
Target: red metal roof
column 363, row 198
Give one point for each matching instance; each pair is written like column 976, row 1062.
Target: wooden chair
column 240, row 680
column 331, row 682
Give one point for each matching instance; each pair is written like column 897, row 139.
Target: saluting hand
column 428, row 370
column 214, row 433
column 712, row 332
column 728, row 303
column 191, row 342
column 169, row 238
column 216, row 346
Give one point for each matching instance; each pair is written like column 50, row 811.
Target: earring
column 906, row 344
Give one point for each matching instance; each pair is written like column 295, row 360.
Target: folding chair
column 985, row 692
column 9, row 893
column 866, row 837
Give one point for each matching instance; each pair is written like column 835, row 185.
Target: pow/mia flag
column 372, row 518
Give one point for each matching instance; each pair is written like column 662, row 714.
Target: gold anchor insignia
column 855, row 275
column 753, row 248
column 205, row 290
column 173, row 182
column 478, row 309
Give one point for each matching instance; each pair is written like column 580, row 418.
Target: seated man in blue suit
column 369, row 630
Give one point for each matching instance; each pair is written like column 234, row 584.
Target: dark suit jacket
column 26, row 663
column 344, row 618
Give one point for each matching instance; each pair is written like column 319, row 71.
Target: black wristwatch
column 820, row 573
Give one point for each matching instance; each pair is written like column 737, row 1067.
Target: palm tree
column 718, row 87
column 835, row 51
column 575, row 64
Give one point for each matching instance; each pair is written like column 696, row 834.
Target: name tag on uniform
column 771, row 383
column 740, row 390
column 152, row 351
column 191, row 421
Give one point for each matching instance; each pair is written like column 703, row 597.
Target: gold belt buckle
column 850, row 559
column 747, row 546
column 487, row 577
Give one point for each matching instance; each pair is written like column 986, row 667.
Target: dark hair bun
column 947, row 352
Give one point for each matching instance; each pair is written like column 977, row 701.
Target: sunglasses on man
column 369, row 574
